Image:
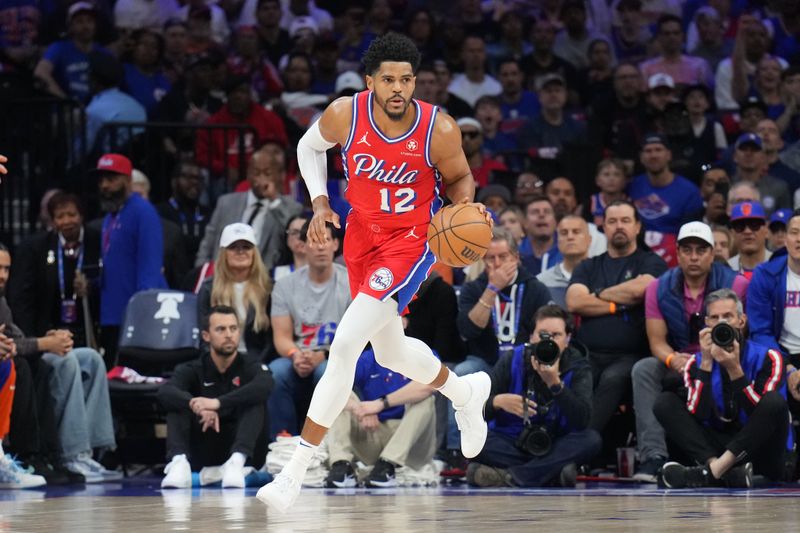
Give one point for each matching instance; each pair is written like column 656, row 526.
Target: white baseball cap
column 660, row 79
column 349, row 80
column 237, row 232
column 696, row 230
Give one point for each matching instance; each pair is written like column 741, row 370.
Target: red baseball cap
column 115, row 164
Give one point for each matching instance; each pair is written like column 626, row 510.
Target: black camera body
column 535, row 439
column 546, row 351
column 724, row 335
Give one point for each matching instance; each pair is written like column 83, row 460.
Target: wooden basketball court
column 139, row 506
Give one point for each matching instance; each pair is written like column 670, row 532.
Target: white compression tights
column 368, row 320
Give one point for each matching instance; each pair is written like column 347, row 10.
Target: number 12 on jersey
column 404, row 200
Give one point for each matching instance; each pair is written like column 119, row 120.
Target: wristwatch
column 556, row 389
column 385, row 402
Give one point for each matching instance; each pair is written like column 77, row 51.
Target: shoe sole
column 263, row 497
column 348, row 483
column 484, row 384
column 645, row 478
column 382, row 484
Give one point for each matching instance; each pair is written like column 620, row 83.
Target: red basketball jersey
column 391, row 181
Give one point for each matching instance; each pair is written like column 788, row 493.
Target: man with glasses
column 495, row 312
column 774, row 307
column 674, row 317
column 749, row 225
column 472, row 142
column 183, row 207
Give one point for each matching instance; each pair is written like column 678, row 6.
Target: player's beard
column 394, row 116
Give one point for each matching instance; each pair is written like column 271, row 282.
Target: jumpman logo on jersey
column 411, row 234
column 364, row 140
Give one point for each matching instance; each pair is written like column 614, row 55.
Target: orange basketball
column 459, row 235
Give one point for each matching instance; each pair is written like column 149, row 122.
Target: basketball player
column 396, row 151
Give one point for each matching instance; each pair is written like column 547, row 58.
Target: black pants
column 33, row 429
column 109, row 341
column 242, row 431
column 762, row 440
column 612, row 382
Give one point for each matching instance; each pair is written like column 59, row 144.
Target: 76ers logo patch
column 381, row 279
column 411, row 145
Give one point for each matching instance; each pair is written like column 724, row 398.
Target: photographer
column 736, row 420
column 541, row 442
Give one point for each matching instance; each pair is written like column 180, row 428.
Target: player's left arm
column 449, row 159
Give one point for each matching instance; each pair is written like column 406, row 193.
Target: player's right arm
column 331, row 129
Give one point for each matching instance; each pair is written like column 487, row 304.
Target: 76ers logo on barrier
column 381, row 279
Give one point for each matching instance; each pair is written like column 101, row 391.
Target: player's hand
column 200, row 404
column 512, row 403
column 317, row 233
column 481, row 208
column 369, row 422
column 209, row 419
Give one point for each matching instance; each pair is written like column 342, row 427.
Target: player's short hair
column 390, row 47
column 218, row 310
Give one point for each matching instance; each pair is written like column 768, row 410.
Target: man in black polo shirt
column 607, row 292
column 215, row 407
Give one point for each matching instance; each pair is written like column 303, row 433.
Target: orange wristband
column 669, row 359
column 293, row 351
column 612, row 307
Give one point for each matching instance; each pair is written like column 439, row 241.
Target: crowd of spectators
column 641, row 159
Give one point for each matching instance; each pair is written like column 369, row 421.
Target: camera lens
column 546, row 351
column 723, row 335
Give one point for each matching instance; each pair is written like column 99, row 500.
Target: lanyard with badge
column 506, row 336
column 198, row 218
column 69, row 307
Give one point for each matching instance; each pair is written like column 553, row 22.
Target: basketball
column 459, row 235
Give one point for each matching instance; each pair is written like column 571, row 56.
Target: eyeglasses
column 470, row 134
column 753, row 224
column 531, row 185
column 293, row 232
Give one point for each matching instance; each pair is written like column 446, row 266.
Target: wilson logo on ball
column 469, row 254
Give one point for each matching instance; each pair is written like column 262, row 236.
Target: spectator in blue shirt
column 517, row 103
column 109, row 104
column 391, row 425
column 663, row 199
column 131, row 247
column 64, row 68
column 144, row 79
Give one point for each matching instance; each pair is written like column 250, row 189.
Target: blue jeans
column 529, row 471
column 290, row 391
column 470, row 365
column 79, row 388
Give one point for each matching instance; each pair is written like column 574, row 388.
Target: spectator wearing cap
column 674, row 316
column 706, row 37
column 547, row 134
column 630, row 38
column 708, row 139
column 249, row 61
column 751, row 163
column 109, row 104
column 64, row 67
column 574, row 241
column 749, row 225
column 263, row 207
column 777, row 229
column 773, row 143
column 471, row 142
column 190, row 100
column 663, row 199
column 495, row 197
column 131, row 247
column 175, row 44
column 144, row 78
column 617, row 125
column 474, row 82
column 773, row 307
column 196, row 11
column 683, row 69
column 242, row 282
column 660, row 93
column 132, row 15
column 732, row 77
column 348, row 83
column 572, row 43
column 220, row 150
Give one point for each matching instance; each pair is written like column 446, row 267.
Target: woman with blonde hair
column 241, row 281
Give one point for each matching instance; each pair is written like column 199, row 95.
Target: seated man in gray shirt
column 573, row 244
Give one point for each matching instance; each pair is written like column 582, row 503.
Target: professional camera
column 546, row 351
column 724, row 335
column 535, row 439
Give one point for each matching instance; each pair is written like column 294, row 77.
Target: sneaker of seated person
column 568, row 477
column 648, row 470
column 488, row 476
column 382, row 475
column 677, row 476
column 233, row 472
column 12, row 476
column 93, row 471
column 341, row 476
column 178, row 474
column 54, row 473
column 739, row 477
